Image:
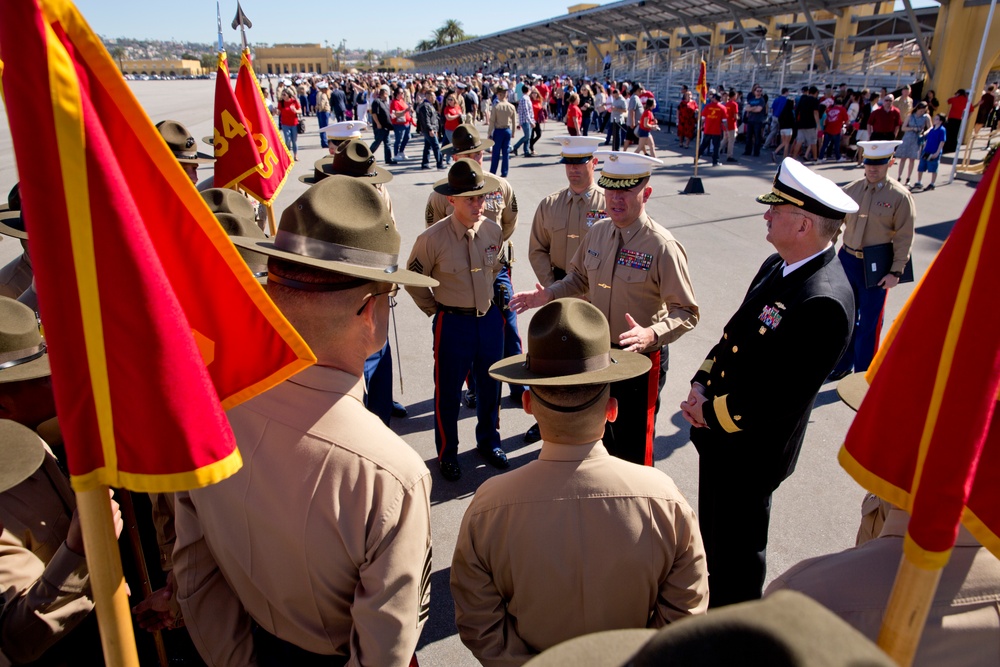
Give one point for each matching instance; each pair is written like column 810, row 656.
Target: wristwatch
column 898, row 274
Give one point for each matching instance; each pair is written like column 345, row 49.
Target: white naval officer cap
column 577, row 150
column 798, row 185
column 878, row 152
column 623, row 170
column 348, row 129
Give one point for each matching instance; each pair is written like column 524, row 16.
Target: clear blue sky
column 388, row 24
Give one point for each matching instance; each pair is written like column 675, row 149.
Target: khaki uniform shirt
column 561, row 223
column 963, row 626
column 465, row 274
column 322, row 101
column 503, row 116
column 45, row 586
column 646, row 278
column 886, row 214
column 500, row 207
column 573, row 543
column 15, row 277
column 322, row 537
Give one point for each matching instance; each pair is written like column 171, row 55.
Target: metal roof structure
column 635, row 17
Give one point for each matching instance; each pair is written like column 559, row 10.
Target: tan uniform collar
column 459, row 229
column 586, row 194
column 555, row 452
column 637, row 224
column 897, row 520
column 332, row 380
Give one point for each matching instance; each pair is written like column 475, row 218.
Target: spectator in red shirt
column 289, row 120
column 958, row 101
column 732, row 115
column 833, row 130
column 884, row 122
column 574, row 117
column 716, row 121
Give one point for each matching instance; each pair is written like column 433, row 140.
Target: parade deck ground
column 816, row 511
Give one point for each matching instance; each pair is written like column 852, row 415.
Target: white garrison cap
column 348, row 129
column 878, row 152
column 576, row 150
column 623, row 170
column 798, row 185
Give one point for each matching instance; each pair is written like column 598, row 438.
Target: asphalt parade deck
column 816, row 511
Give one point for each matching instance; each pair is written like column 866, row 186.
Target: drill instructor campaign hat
column 236, row 215
column 569, row 343
column 466, row 178
column 352, row 158
column 465, row 139
column 22, row 452
column 798, row 185
column 341, row 224
column 181, row 143
column 23, row 355
column 11, row 219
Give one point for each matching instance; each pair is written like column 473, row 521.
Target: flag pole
column 694, row 185
column 972, row 90
column 906, row 613
column 270, row 220
column 135, row 542
column 106, row 579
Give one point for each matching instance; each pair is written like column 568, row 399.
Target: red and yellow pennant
column 702, row 81
column 276, row 162
column 925, row 437
column 154, row 323
column 236, row 155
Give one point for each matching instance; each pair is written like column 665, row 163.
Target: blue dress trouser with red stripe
column 463, row 343
column 869, row 311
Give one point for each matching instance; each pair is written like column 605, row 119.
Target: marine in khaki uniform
column 886, row 214
column 563, row 219
column 462, row 253
column 500, row 206
column 627, row 544
column 636, row 273
column 501, row 127
column 320, row 545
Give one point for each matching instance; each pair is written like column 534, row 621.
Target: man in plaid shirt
column 526, row 119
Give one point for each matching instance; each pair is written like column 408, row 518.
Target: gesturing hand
column 637, row 338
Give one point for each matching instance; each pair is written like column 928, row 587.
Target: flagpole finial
column 242, row 22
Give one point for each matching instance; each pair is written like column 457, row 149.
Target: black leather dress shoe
column 450, row 471
column 398, row 410
column 533, row 434
column 496, row 457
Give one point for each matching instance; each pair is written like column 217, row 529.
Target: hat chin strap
column 18, row 357
column 565, row 408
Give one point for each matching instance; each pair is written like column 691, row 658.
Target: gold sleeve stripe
column 722, row 414
column 707, row 366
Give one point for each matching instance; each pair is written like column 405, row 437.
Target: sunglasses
column 392, row 292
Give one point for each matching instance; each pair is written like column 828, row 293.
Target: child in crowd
column 930, row 157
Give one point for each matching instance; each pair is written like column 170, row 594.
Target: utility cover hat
column 236, row 215
column 623, row 170
column 465, row 139
column 352, row 158
column 878, row 152
column 467, row 179
column 348, row 129
column 11, row 219
column 787, row 629
column 569, row 344
column 577, row 150
column 181, row 143
column 343, row 225
column 23, row 355
column 22, row 452
column 798, row 185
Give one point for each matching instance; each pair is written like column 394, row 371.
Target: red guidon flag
column 702, row 82
column 926, row 438
column 153, row 322
column 276, row 162
column 236, row 155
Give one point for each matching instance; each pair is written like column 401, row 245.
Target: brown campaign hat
column 23, row 355
column 569, row 343
column 236, row 215
column 21, row 451
column 467, row 179
column 11, row 219
column 787, row 629
column 341, row 224
column 181, row 143
column 352, row 158
column 852, row 389
column 465, row 139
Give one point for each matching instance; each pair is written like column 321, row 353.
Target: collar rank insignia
column 771, row 317
column 780, row 305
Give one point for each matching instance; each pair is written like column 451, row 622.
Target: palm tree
column 426, row 45
column 452, row 30
column 119, row 53
column 370, row 58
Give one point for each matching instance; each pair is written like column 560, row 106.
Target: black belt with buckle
column 454, row 310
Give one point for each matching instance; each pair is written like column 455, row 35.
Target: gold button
column 708, row 383
column 735, row 349
column 762, row 330
column 725, row 336
column 736, row 418
column 723, row 373
column 713, row 360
